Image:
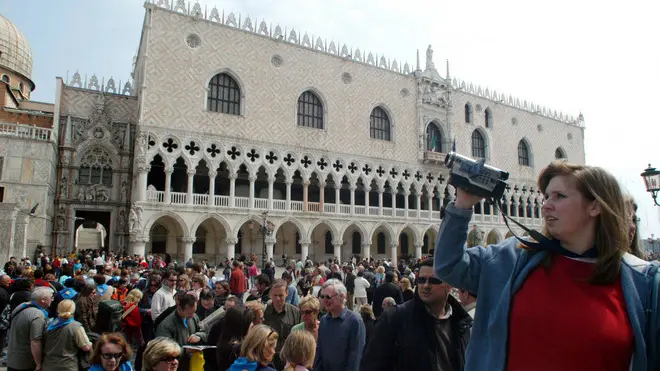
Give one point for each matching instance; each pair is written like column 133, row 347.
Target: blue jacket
column 496, row 272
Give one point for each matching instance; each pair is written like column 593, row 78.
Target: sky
column 599, row 58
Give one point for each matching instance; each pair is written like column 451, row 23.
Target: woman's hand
column 465, row 200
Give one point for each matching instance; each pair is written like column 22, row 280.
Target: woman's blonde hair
column 66, row 309
column 611, row 233
column 310, row 302
column 405, row 282
column 156, row 350
column 254, row 344
column 631, row 214
column 134, row 296
column 380, row 269
column 299, row 350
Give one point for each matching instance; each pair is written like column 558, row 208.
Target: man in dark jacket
column 430, row 332
column 387, row 289
column 349, row 282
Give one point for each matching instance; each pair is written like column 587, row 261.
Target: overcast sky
column 599, row 58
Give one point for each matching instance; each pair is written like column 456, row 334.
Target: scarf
column 125, row 366
column 33, row 304
column 58, row 323
column 101, row 289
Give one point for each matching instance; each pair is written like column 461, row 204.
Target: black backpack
column 108, row 318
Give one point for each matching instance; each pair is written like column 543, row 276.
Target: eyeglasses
column 169, row 359
column 307, row 311
column 430, row 280
column 112, row 355
column 323, row 297
column 172, row 280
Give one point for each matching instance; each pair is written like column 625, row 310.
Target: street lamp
column 651, row 178
column 267, row 231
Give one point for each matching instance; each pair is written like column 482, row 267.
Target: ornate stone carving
column 95, row 192
column 435, row 95
column 64, row 187
column 135, row 218
column 121, row 221
column 429, row 58
column 124, row 191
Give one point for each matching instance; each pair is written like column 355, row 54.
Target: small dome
column 15, row 51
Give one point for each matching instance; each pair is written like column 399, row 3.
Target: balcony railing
column 158, row 197
column 26, row 131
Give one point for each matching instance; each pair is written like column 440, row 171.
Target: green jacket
column 173, row 327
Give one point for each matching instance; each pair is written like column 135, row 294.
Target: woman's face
column 565, row 211
column 309, row 315
column 220, row 290
column 168, row 362
column 111, row 356
column 269, row 351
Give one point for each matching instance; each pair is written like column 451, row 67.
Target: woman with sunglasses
column 309, row 310
column 257, row 350
column 111, row 353
column 161, row 354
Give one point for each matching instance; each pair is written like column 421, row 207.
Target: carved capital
column 192, row 172
column 252, row 178
column 419, row 245
column 394, row 245
column 231, row 240
column 187, row 240
column 304, row 242
column 213, row 174
column 366, row 245
column 337, row 243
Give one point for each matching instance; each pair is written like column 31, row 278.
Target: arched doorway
column 166, row 232
column 322, row 237
column 287, row 240
column 210, row 237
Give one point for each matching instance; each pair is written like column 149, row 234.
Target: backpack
column 108, row 318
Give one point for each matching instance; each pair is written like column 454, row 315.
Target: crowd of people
column 580, row 298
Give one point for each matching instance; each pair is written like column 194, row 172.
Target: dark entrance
column 89, row 219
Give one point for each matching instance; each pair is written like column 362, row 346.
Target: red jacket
column 237, row 281
column 133, row 319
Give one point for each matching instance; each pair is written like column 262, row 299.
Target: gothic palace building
column 227, row 118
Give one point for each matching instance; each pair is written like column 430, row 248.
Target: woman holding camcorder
column 576, row 300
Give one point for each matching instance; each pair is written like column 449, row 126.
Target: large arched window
column 5, row 78
column 478, row 145
column 224, row 95
column 468, row 113
column 559, row 154
column 95, row 168
column 433, row 138
column 379, row 124
column 488, row 118
column 523, row 153
column 310, row 111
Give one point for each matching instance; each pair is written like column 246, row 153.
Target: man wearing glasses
column 164, row 297
column 25, row 352
column 341, row 332
column 429, row 332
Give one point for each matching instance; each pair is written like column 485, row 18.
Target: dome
column 15, row 52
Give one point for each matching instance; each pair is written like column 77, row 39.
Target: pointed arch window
column 5, row 78
column 379, row 124
column 310, row 110
column 488, row 118
column 468, row 113
column 523, row 153
column 224, row 95
column 95, row 168
column 433, row 138
column 478, row 145
column 559, row 154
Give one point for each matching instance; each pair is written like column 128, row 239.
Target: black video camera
column 475, row 176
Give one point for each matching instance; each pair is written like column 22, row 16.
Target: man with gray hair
column 388, row 303
column 24, row 352
column 342, row 333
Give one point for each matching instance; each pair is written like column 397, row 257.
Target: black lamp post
column 267, row 231
column 651, row 178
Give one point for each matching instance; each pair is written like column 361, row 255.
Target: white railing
column 373, row 210
column 412, row 213
column 329, row 208
column 261, row 203
column 156, row 196
column 344, row 209
column 424, row 214
column 199, row 199
column 177, row 197
column 359, row 210
column 279, row 204
column 25, row 131
column 401, row 213
column 222, row 201
column 387, row 211
column 242, row 202
column 296, row 205
column 313, row 206
column 435, row 215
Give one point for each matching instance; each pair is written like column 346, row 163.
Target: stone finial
column 429, row 58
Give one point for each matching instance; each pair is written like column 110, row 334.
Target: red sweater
column 559, row 321
column 237, row 281
column 133, row 319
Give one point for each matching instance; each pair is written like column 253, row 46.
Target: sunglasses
column 323, row 297
column 430, row 280
column 169, row 359
column 112, row 355
column 307, row 311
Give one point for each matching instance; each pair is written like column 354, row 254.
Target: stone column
column 394, row 202
column 168, row 186
column 137, row 245
column 304, row 250
column 353, row 187
column 430, row 204
column 252, row 178
column 419, row 203
column 305, row 194
column 187, row 248
column 337, row 194
column 393, row 253
column 143, row 171
column 271, row 182
column 232, row 190
column 366, row 250
column 212, row 175
column 418, row 250
column 288, row 194
column 231, row 244
column 189, row 192
column 381, row 190
column 406, row 194
column 270, row 242
column 20, row 234
column 337, row 249
column 367, row 189
column 321, row 196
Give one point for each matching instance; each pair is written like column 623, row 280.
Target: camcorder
column 475, row 176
